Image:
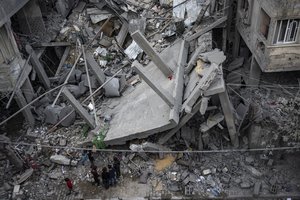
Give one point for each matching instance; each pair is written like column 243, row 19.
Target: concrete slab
column 78, row 107
column 203, row 84
column 142, row 112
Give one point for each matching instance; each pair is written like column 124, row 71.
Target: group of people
column 109, row 174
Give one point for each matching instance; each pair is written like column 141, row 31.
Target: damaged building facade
column 171, row 88
column 269, row 32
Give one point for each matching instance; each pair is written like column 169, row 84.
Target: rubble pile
column 146, row 75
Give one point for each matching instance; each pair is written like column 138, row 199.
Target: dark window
column 264, row 24
column 286, row 31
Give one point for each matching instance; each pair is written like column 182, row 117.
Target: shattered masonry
column 164, row 81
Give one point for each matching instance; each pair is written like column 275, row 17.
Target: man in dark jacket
column 91, row 157
column 105, row 178
column 116, row 166
column 112, row 176
column 95, row 175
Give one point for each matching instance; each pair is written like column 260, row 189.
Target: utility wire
column 155, row 151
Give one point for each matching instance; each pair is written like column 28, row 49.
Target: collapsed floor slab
column 143, row 112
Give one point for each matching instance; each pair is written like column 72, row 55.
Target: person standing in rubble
column 84, row 157
column 95, row 175
column 112, row 176
column 69, row 185
column 91, row 158
column 116, row 166
column 105, row 178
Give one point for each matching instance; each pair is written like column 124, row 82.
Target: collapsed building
column 170, row 73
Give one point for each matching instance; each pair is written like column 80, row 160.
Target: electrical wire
column 154, row 151
column 266, row 82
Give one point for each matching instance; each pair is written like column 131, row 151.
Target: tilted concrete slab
column 143, row 112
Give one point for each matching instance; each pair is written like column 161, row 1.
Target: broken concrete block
column 75, row 90
column 63, row 160
column 245, row 185
column 249, row 159
column 225, row 179
column 144, row 177
column 252, row 170
column 186, row 180
column 54, row 175
column 62, row 142
column 137, row 24
column 112, row 88
column 254, row 136
column 204, row 105
column 70, row 119
column 6, row 186
column 82, row 87
column 216, row 56
column 206, row 172
column 211, row 122
column 225, row 170
column 256, row 189
column 98, row 18
column 52, row 114
column 74, row 77
column 24, row 176
column 16, row 191
column 173, row 186
column 93, row 80
column 148, row 146
column 270, row 162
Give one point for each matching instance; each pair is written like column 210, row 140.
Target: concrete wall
column 270, row 57
column 10, row 60
column 8, row 8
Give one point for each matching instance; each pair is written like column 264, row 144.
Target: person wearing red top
column 69, row 185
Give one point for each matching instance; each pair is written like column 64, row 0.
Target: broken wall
column 270, row 56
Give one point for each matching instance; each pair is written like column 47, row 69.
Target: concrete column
column 181, row 123
column 79, row 109
column 93, row 65
column 158, row 61
column 38, row 67
column 255, row 73
column 165, row 95
column 236, row 45
column 224, row 40
column 62, row 60
column 27, row 89
column 20, row 99
column 229, row 117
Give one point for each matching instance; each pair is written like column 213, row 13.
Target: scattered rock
column 245, row 185
column 249, row 159
column 256, row 189
column 270, row 162
column 63, row 160
column 206, row 172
